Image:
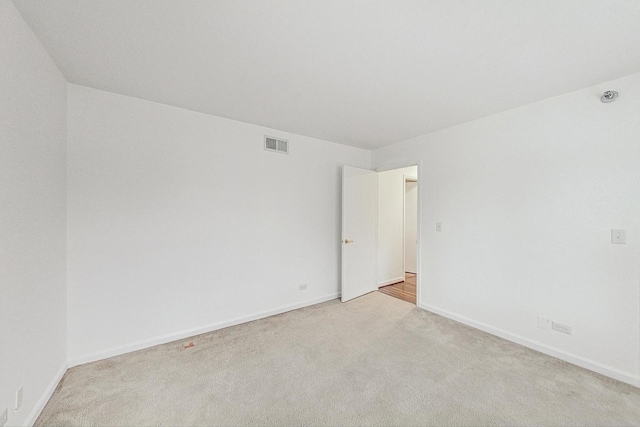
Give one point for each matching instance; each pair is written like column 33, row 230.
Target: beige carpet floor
column 373, row 361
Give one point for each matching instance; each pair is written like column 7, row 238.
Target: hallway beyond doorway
column 405, row 291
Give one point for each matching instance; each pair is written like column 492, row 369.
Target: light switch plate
column 438, row 226
column 618, row 236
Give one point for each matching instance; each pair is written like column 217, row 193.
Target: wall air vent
column 276, row 145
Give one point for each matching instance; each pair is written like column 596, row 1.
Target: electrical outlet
column 543, row 323
column 303, row 287
column 565, row 329
column 19, row 398
column 438, row 226
column 3, row 418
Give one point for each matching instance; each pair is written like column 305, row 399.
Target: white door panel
column 359, row 231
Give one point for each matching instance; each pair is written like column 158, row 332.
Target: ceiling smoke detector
column 609, row 96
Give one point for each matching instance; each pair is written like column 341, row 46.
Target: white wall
column 527, row 199
column 32, row 219
column 181, row 222
column 390, row 224
column 410, row 226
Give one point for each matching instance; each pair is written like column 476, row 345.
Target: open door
column 359, row 232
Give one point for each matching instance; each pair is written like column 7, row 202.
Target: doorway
column 373, row 232
column 398, row 233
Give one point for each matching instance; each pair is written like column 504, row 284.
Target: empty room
column 306, row 212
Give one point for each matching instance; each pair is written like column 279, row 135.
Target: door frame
column 405, row 179
column 399, row 165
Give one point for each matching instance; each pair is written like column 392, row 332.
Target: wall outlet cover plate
column 565, row 329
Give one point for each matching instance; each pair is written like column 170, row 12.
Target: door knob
column 347, row 241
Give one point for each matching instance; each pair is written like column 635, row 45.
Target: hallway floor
column 406, row 291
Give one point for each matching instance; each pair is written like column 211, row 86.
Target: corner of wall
column 46, row 395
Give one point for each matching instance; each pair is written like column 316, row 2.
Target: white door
column 359, row 232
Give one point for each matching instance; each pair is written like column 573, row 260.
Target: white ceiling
column 366, row 73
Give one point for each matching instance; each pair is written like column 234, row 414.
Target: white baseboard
column 391, row 281
column 191, row 332
column 591, row 365
column 48, row 392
